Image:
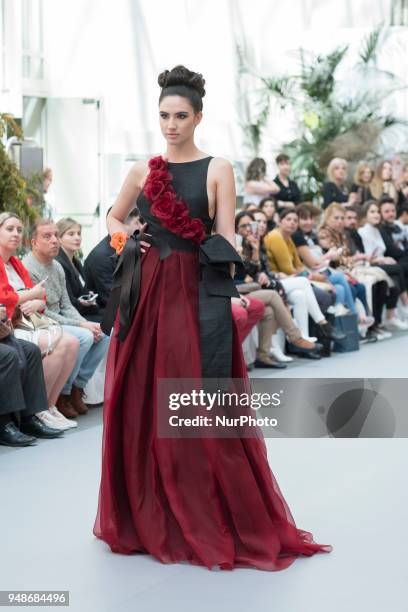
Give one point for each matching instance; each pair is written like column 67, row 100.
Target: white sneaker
column 279, row 355
column 395, row 324
column 340, row 310
column 69, row 423
column 382, row 334
column 50, row 420
column 404, row 309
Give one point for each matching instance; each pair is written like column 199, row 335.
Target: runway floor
column 352, row 494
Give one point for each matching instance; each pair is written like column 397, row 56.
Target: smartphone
column 89, row 297
column 254, row 229
column 238, row 240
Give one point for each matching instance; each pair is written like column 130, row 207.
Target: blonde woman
column 335, row 189
column 361, row 183
column 383, row 183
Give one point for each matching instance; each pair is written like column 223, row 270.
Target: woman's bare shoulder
column 221, row 164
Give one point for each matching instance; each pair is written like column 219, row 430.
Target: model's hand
column 144, row 245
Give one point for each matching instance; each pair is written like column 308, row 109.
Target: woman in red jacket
column 18, row 290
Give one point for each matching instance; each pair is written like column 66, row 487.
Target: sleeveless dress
column 212, row 502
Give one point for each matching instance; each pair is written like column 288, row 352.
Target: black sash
column 216, row 287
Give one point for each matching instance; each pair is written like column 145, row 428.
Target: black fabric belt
column 216, row 287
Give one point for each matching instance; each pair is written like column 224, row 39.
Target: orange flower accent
column 118, row 241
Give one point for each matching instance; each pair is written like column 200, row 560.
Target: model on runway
column 209, row 501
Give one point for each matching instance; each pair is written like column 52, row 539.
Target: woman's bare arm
column 264, row 187
column 225, row 199
column 126, row 198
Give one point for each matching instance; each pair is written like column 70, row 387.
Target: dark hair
column 282, row 157
column 256, row 169
column 240, row 215
column 403, row 209
column 284, row 212
column 355, row 209
column 180, row 81
column 307, row 211
column 367, row 206
column 386, row 200
column 267, row 199
column 248, row 205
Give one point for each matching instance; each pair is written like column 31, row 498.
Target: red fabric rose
column 172, row 212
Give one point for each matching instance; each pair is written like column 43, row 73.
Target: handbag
column 248, row 287
column 36, row 322
column 348, row 325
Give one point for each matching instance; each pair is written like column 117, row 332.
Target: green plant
column 341, row 117
column 17, row 193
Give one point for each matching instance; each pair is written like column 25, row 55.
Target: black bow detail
column 216, row 287
column 126, row 282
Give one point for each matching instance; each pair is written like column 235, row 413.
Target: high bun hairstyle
column 180, row 81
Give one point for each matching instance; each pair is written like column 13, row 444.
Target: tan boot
column 76, row 399
column 65, row 407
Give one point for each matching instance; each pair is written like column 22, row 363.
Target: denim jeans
column 89, row 356
column 344, row 294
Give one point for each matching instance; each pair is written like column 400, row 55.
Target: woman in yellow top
column 285, row 262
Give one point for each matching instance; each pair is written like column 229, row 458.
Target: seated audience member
column 351, row 224
column 268, row 207
column 268, row 290
column 22, row 298
column 70, row 238
column 101, row 263
column 377, row 246
column 361, row 185
column 257, row 184
column 281, row 253
column 93, row 344
column 336, row 189
column 289, row 193
column 384, row 185
column 311, row 253
column 22, row 390
column 365, row 282
column 389, row 226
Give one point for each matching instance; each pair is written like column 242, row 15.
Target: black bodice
column 190, row 184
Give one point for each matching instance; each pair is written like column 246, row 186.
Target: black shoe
column 310, row 356
column 276, row 365
column 369, row 337
column 11, row 436
column 297, row 350
column 37, row 428
column 329, row 332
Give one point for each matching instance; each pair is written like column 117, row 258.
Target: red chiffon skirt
column 208, row 501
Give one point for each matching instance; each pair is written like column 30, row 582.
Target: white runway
column 352, row 494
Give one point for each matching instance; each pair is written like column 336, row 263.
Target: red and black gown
column 208, row 501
